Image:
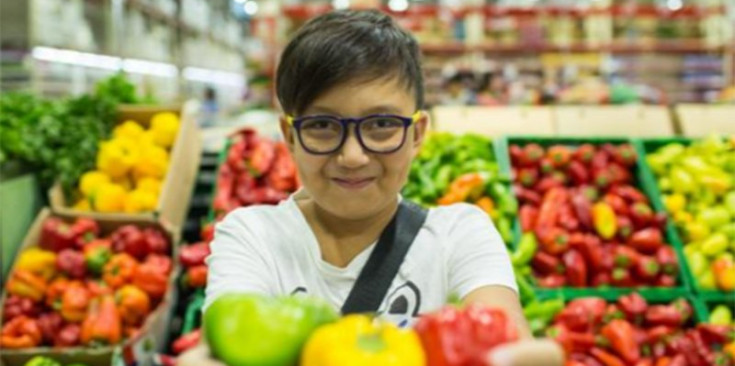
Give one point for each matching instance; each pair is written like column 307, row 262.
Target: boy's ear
column 287, row 131
column 421, row 127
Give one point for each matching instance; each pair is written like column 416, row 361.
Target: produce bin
column 178, row 183
column 682, row 288
column 706, row 303
column 700, row 120
column 616, row 121
column 648, row 146
column 221, row 158
column 493, row 121
column 138, row 350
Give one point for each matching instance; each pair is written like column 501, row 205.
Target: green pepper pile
column 451, row 169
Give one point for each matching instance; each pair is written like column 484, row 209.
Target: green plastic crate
column 644, row 147
column 502, row 145
column 193, row 314
column 706, row 303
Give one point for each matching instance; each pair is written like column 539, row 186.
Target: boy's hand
column 198, row 356
column 537, row 352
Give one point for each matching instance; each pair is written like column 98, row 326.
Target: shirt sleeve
column 478, row 257
column 238, row 261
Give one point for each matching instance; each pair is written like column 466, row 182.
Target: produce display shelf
column 642, row 181
column 221, row 159
column 645, row 147
column 193, row 314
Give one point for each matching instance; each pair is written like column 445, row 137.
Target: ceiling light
column 398, row 5
column 250, row 7
column 341, row 4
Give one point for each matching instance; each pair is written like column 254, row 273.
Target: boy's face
column 352, row 183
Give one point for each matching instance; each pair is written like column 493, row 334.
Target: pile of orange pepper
column 51, row 302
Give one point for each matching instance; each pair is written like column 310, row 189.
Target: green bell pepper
column 505, row 200
column 707, row 280
column 251, row 329
column 443, row 178
column 682, row 181
column 544, row 310
column 720, row 315
column 42, row 361
column 527, row 248
column 729, row 202
column 525, row 289
column 697, row 263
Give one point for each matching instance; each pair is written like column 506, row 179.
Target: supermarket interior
column 595, row 138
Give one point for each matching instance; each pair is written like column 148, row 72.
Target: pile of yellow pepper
column 130, row 167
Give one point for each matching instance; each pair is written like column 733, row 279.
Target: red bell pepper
column 196, row 276
column 591, row 249
column 625, row 228
column 573, row 342
column 716, row 334
column 262, row 158
column 553, row 280
column 194, row 255
column 576, row 268
column 75, row 302
column 454, row 337
column 527, row 215
column 625, row 257
column 549, row 211
column 224, row 189
column 20, row 332
column 600, row 160
column 16, row 306
column 629, row 193
column 187, row 341
column 612, row 312
column 72, row 263
column 130, row 239
column 151, row 279
column 559, row 155
column 583, row 209
column 553, row 240
column 620, row 333
column 119, row 270
column 527, row 177
column 634, row 307
column 578, row 173
column 516, row 154
column 607, row 359
column 156, row 241
column 546, row 166
column 235, row 155
column 625, row 155
column 98, row 288
column 659, row 333
column 55, row 291
column 618, row 204
column 50, row 324
column 641, row 214
column 585, row 153
column 69, row 336
column 583, row 314
column 666, row 257
column 526, row 195
column 567, row 218
column 659, row 220
column 647, row 241
column 644, row 362
column 531, row 155
column 207, row 232
column 585, row 359
column 666, row 315
column 282, row 176
column 601, row 279
column 647, row 268
column 621, row 277
column 602, row 178
column 666, row 281
column 545, row 263
column 56, row 235
column 162, row 262
column 546, row 184
column 84, row 230
column 619, row 174
column 684, row 308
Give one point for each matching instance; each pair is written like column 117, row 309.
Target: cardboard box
column 613, row 121
column 494, row 121
column 700, row 120
column 141, row 349
column 173, row 203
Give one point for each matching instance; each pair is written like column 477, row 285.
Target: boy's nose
column 352, row 155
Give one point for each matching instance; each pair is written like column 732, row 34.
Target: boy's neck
column 342, row 240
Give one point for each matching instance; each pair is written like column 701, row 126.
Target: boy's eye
column 319, row 124
column 382, row 122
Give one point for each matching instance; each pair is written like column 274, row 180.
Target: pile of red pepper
column 593, row 227
column 256, row 171
column 82, row 288
column 632, row 332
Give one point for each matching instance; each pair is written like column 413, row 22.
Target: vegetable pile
column 585, row 222
column 698, row 190
column 45, row 361
column 452, row 169
column 633, row 332
column 82, row 288
column 130, row 167
column 256, row 171
column 291, row 330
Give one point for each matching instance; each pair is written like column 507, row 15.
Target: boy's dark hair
column 343, row 46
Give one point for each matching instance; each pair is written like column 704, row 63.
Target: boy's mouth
column 353, row 183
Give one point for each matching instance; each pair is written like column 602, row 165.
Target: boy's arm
column 504, row 298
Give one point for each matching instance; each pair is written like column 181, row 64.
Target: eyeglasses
column 377, row 133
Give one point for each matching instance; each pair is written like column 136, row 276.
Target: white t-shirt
column 272, row 250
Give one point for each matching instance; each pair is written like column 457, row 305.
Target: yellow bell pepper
column 38, row 261
column 675, row 203
column 82, row 205
column 696, row 231
column 358, row 340
column 730, row 347
column 140, row 201
column 116, row 157
column 683, row 217
column 128, row 129
column 149, row 184
column 165, row 127
column 153, row 162
column 109, row 198
column 90, row 181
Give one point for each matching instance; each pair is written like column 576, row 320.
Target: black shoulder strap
column 381, row 268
